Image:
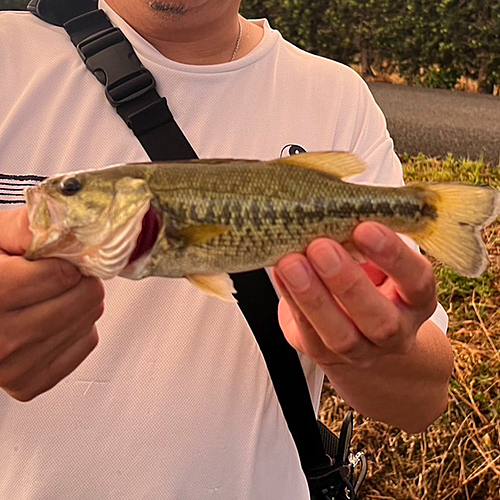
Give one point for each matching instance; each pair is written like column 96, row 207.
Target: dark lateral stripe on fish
column 429, row 211
column 368, row 208
column 233, row 212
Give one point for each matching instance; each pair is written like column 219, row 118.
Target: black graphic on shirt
column 12, row 187
column 291, row 149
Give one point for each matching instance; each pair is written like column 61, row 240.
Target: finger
column 15, row 235
column 410, row 271
column 23, row 328
column 69, row 360
column 373, row 314
column 54, row 315
column 25, row 283
column 17, row 370
column 297, row 329
column 59, row 368
column 313, row 299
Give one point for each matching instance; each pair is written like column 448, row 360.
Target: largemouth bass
column 203, row 219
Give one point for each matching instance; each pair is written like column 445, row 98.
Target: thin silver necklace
column 238, row 40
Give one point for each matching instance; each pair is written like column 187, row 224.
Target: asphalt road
column 437, row 122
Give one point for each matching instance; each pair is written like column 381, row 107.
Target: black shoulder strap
column 130, row 88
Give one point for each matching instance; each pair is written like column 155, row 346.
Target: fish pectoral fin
column 334, row 163
column 199, row 234
column 217, row 285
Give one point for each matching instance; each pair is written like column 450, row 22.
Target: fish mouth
column 48, row 236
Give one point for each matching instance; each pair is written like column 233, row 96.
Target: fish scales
column 268, row 213
column 203, row 219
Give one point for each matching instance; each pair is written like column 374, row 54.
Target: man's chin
column 168, row 8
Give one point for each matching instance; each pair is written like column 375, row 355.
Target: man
column 175, row 402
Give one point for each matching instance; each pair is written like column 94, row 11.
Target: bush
column 429, row 42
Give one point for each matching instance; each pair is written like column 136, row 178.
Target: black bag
column 326, row 460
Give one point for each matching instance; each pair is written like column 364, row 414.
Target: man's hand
column 48, row 312
column 361, row 323
column 336, row 313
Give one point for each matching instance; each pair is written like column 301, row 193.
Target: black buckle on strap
column 149, row 117
column 111, row 58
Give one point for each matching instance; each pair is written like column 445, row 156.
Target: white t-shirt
column 175, row 403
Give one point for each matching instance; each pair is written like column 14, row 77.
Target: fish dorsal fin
column 203, row 233
column 334, row 163
column 217, row 285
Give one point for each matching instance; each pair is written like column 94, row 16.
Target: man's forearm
column 408, row 391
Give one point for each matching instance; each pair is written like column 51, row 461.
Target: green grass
column 458, row 458
column 450, row 169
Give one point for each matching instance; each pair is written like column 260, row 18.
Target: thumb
column 15, row 235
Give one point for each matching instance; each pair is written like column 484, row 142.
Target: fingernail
column 296, row 275
column 372, row 239
column 326, row 258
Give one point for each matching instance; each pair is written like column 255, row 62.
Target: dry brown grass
column 458, row 458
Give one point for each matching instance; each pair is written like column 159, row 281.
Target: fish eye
column 70, row 186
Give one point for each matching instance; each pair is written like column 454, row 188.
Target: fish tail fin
column 454, row 236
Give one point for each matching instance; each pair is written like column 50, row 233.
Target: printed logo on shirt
column 291, row 149
column 12, row 187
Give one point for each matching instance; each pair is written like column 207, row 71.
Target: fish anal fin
column 199, row 234
column 217, row 285
column 334, row 163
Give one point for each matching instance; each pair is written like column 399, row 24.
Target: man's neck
column 204, row 34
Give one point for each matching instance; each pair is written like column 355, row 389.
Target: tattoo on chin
column 169, row 8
